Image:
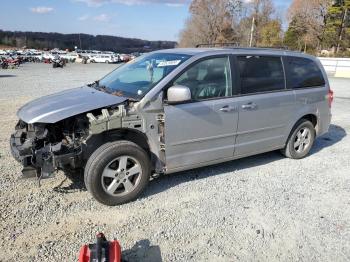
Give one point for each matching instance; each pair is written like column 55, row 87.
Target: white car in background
column 104, row 58
column 70, row 56
column 47, row 55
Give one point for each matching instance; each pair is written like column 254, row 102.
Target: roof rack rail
column 237, row 45
column 274, row 47
column 233, row 44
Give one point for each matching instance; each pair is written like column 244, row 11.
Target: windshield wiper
column 98, row 87
column 103, row 89
column 107, row 90
column 94, row 84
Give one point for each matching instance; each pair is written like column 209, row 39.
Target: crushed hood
column 59, row 106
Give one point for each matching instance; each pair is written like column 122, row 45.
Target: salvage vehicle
column 58, row 61
column 3, row 63
column 175, row 110
column 82, row 59
column 104, row 58
column 10, row 62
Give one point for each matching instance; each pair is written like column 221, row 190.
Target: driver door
column 204, row 129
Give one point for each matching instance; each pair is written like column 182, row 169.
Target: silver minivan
column 175, row 110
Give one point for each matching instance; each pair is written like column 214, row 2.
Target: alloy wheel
column 302, row 140
column 121, row 176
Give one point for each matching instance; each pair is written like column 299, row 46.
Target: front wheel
column 117, row 173
column 300, row 140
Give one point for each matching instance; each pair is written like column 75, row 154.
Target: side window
column 303, row 73
column 208, row 79
column 260, row 74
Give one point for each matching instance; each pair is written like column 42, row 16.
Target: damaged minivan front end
column 112, row 129
column 60, row 141
column 44, row 148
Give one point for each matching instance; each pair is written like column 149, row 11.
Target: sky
column 145, row 19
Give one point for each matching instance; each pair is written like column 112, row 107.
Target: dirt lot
column 262, row 208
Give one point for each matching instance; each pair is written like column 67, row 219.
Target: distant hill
column 39, row 40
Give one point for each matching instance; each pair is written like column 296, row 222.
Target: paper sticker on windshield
column 169, row 63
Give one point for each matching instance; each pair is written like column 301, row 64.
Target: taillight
column 330, row 97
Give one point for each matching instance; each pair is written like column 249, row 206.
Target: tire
column 298, row 146
column 107, row 62
column 103, row 172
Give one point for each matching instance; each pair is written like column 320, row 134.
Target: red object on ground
column 103, row 250
column 330, row 97
column 84, row 255
column 115, row 251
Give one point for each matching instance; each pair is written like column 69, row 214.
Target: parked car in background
column 91, row 56
column 124, row 58
column 10, row 62
column 58, row 61
column 83, row 59
column 104, row 58
column 71, row 57
column 47, row 56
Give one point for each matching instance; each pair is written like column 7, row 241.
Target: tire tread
column 93, row 164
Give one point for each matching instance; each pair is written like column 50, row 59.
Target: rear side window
column 303, row 73
column 260, row 74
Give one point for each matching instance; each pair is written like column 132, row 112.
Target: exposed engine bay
column 44, row 148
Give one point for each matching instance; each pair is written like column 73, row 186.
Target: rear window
column 260, row 74
column 303, row 73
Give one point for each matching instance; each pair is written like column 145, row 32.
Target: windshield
column 139, row 76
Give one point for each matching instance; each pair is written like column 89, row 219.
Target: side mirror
column 178, row 94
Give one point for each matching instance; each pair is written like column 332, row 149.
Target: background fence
column 338, row 67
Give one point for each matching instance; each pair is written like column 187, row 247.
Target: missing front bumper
column 23, row 156
column 42, row 163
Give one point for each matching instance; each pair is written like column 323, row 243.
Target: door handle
column 227, row 109
column 249, row 106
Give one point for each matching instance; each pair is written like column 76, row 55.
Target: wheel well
column 131, row 135
column 311, row 118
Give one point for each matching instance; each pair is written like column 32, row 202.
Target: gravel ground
column 262, row 208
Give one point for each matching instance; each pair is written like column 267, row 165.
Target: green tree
column 307, row 20
column 271, row 34
column 293, row 38
column 338, row 25
column 210, row 21
column 259, row 25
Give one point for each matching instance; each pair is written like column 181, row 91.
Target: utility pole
column 80, row 41
column 252, row 32
column 345, row 14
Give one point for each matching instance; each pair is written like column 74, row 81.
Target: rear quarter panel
column 313, row 101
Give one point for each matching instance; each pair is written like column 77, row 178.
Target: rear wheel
column 300, row 141
column 117, row 173
column 107, row 62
